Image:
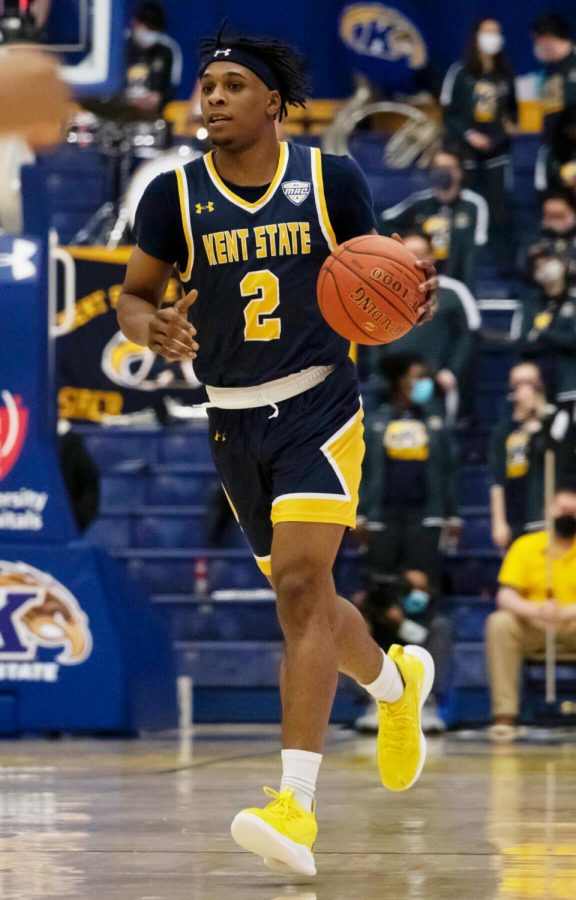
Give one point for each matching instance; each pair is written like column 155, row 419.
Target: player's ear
column 274, row 104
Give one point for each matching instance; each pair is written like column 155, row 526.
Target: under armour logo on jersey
column 296, row 191
column 218, row 53
column 209, row 207
column 220, row 436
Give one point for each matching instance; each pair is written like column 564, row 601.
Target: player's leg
column 302, row 557
column 318, row 629
column 313, row 452
column 322, row 633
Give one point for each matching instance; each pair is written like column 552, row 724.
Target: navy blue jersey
column 255, row 263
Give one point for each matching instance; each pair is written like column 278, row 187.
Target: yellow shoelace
column 395, row 728
column 282, row 803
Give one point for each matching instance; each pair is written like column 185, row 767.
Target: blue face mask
column 422, row 391
column 416, row 602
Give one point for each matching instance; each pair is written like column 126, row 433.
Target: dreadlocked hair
column 287, row 63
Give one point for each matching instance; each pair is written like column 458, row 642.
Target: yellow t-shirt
column 525, row 569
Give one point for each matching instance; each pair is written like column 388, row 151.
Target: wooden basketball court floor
column 149, row 819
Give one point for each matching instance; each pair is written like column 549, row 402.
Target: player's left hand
column 428, row 287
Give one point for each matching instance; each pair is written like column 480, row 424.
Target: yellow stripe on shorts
column 344, row 452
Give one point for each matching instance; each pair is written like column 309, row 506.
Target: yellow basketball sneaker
column 281, row 832
column 401, row 741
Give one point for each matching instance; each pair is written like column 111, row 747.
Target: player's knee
column 299, row 596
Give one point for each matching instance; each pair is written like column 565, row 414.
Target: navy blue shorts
column 303, row 465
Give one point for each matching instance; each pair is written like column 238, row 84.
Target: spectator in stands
column 558, row 226
column 527, row 605
column 408, row 477
column 448, row 343
column 556, row 164
column 546, row 333
column 516, row 457
column 480, row 115
column 153, row 60
column 405, row 609
column 553, row 46
column 456, row 219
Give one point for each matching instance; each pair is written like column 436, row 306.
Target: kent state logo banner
column 101, row 373
column 384, row 33
column 13, row 428
column 42, row 626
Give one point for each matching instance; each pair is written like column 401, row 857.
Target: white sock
column 389, row 686
column 299, row 771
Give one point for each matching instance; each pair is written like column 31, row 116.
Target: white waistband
column 270, row 393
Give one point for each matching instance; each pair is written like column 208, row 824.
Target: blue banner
column 99, row 372
column 387, row 43
column 317, row 29
column 79, row 649
column 33, row 502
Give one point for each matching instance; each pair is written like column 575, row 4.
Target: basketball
column 368, row 290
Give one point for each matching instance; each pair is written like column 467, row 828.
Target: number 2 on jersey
column 264, row 289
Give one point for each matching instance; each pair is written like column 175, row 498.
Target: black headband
column 244, row 58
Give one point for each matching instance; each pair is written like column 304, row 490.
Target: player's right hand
column 171, row 335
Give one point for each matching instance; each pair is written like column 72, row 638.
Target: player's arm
column 164, row 330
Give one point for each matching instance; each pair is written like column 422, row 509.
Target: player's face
column 236, row 105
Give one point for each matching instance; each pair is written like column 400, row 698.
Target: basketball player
column 249, row 226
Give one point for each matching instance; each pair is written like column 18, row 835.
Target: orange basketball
column 368, row 290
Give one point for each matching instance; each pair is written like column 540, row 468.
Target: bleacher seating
column 156, row 484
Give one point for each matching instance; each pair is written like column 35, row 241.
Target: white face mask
column 549, row 272
column 144, row 37
column 489, row 42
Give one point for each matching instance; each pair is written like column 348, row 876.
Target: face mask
column 442, row 178
column 416, row 602
column 144, row 37
column 565, row 526
column 422, row 391
column 549, row 272
column 490, row 43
